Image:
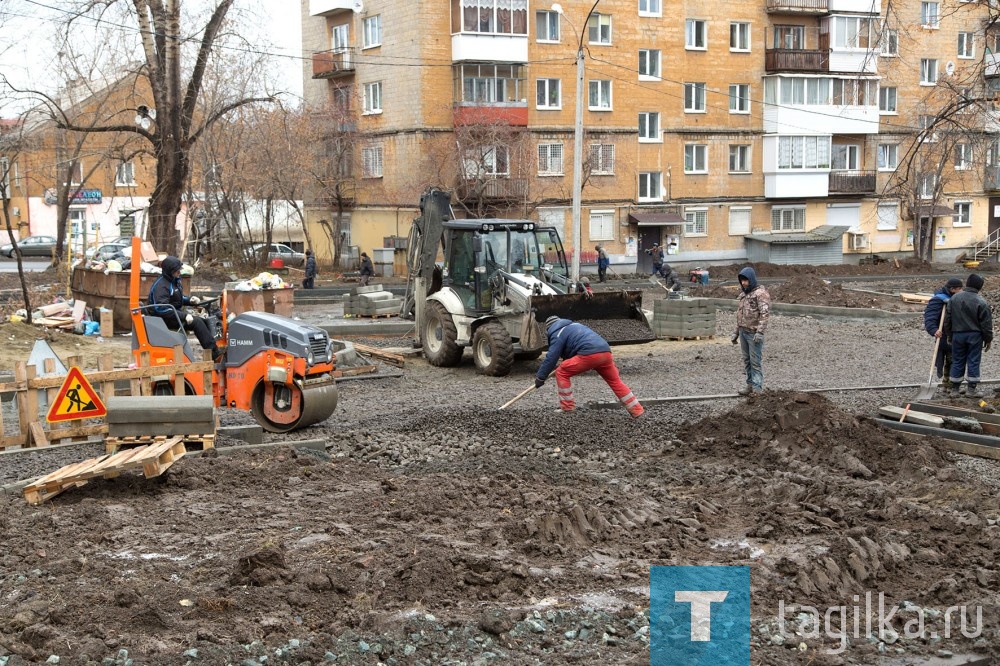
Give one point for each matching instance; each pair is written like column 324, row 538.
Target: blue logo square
column 699, row 616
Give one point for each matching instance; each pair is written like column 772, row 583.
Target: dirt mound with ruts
column 807, row 289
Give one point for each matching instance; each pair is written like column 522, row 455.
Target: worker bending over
column 583, row 350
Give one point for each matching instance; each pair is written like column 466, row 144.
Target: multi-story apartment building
column 770, row 130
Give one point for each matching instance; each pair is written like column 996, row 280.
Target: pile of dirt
column 907, row 266
column 808, row 289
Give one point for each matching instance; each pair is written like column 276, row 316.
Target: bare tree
column 12, row 143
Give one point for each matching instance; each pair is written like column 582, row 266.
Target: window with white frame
column 930, row 14
column 963, row 214
column 890, row 42
column 550, row 159
column 488, row 83
column 373, row 97
column 695, row 221
column 602, row 225
column 650, row 8
column 694, row 98
column 547, row 26
column 966, row 45
column 739, row 220
column 739, row 36
column 600, row 95
column 788, row 218
column 790, row 37
column 887, row 217
column 548, row 94
column 649, row 64
column 854, row 92
column 695, row 158
column 372, row 35
column 340, row 37
column 599, row 29
column 963, row 156
column 804, row 152
column 852, row 32
column 76, row 174
column 125, row 174
column 926, row 122
column 602, row 159
column 371, row 162
column 927, row 183
column 649, row 126
column 887, row 99
column 739, row 98
column 5, row 178
column 739, row 158
column 696, row 34
column 650, row 186
column 888, row 156
column 487, row 161
column 504, row 17
column 845, row 157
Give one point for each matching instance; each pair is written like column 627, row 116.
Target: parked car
column 109, row 251
column 278, row 251
column 31, row 246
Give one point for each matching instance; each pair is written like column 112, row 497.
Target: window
column 739, row 158
column 966, row 46
column 649, row 64
column 739, row 220
column 505, row 17
column 602, row 159
column 125, row 174
column 599, row 29
column 649, row 186
column 739, row 98
column 803, row 152
column 694, row 97
column 888, row 217
column 845, row 157
column 372, row 31
column 340, row 37
column 854, row 92
column 649, row 126
column 490, row 83
column 695, row 158
column 75, row 173
column 888, row 156
column 887, row 99
column 550, row 159
column 547, row 26
column 791, row 37
column 4, row 178
column 926, row 124
column 695, row 221
column 695, row 34
column 650, row 8
column 487, row 162
column 788, row 218
column 373, row 97
column 600, row 96
column 371, row 162
column 602, row 225
column 928, row 71
column 930, row 14
column 963, row 214
column 852, row 32
column 963, row 156
column 739, row 36
column 927, row 185
column 548, row 94
column 890, row 42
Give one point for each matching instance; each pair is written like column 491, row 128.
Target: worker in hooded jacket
column 752, row 313
column 968, row 328
column 168, row 300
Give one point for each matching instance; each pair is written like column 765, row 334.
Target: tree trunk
column 172, row 171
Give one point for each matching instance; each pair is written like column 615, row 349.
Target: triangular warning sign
column 77, row 399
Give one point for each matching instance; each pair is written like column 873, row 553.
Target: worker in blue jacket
column 932, row 324
column 168, row 300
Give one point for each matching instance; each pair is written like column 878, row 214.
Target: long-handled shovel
column 517, row 397
column 927, row 390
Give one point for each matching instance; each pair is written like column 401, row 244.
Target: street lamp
column 577, row 142
column 144, row 116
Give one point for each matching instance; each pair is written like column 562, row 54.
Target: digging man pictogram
column 75, row 401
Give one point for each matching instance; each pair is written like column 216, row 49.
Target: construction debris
column 371, row 301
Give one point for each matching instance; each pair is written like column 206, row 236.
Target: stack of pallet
column 683, row 318
column 371, row 301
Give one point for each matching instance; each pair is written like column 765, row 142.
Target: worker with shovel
column 933, row 324
column 968, row 327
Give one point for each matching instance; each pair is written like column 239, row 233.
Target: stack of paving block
column 371, row 301
column 683, row 318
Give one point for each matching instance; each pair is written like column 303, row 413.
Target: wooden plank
column 37, row 434
column 912, row 416
column 207, row 378
column 908, row 297
column 381, row 354
column 106, row 363
column 350, row 372
column 970, row 449
column 179, row 362
column 107, row 323
column 146, row 387
column 144, row 371
column 79, row 431
column 23, row 417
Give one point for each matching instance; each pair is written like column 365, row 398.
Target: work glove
column 189, row 319
column 735, row 338
column 194, row 300
column 986, row 346
column 758, row 338
column 539, row 383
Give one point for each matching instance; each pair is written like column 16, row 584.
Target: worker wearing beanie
column 933, row 313
column 968, row 327
column 583, row 350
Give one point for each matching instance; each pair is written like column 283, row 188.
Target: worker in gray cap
column 968, row 327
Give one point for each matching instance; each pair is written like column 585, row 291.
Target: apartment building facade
column 770, row 130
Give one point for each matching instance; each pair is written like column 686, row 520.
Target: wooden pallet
column 154, row 459
column 908, row 297
column 190, row 442
column 695, row 337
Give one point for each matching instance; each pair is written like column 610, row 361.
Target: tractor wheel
column 528, row 356
column 492, row 350
column 166, row 388
column 440, row 336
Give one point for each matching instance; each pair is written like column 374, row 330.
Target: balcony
column 327, row 7
column 796, row 60
column 514, row 114
column 473, row 46
column 496, row 189
column 991, row 179
column 856, row 7
column 333, row 64
column 852, row 182
column 812, row 7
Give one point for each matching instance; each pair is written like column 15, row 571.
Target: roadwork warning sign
column 77, row 399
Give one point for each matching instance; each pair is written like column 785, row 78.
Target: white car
column 278, row 251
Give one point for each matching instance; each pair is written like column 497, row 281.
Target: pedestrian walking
column 752, row 314
column 309, row 281
column 603, row 261
column 933, row 321
column 968, row 328
column 367, row 269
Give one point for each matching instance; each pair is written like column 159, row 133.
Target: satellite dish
column 359, row 6
column 949, row 67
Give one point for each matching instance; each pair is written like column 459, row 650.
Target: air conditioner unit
column 859, row 241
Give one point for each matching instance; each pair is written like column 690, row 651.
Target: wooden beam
column 104, row 376
column 381, row 354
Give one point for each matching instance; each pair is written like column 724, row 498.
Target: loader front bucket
column 616, row 315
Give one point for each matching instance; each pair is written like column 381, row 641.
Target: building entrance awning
column 656, row 219
column 934, row 211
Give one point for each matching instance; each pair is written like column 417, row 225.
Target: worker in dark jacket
column 168, row 301
column 367, row 269
column 968, row 327
column 308, row 282
column 753, row 311
column 583, row 350
column 603, row 261
column 659, row 258
column 933, row 320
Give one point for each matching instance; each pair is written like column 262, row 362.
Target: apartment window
column 890, row 42
column 548, row 94
column 930, row 14
column 599, row 29
column 649, row 126
column 547, row 26
column 125, row 174
column 372, row 31
column 488, row 161
column 803, row 152
column 550, row 159
column 373, row 97
column 490, row 84
column 854, row 92
column 788, row 218
column 966, row 46
column 739, row 220
column 926, row 123
column 340, row 37
column 739, row 36
column 928, row 71
column 649, row 186
column 600, row 96
column 888, row 156
column 650, row 8
column 963, row 214
column 695, row 158
column 739, row 158
column 75, row 174
column 602, row 225
column 696, row 34
column 694, row 97
column 371, row 162
column 4, row 178
column 852, row 32
column 649, row 64
column 927, row 183
column 739, row 98
column 505, row 17
column 602, row 159
column 888, row 217
column 887, row 99
column 791, row 37
column 845, row 157
column 695, row 221
column 963, row 156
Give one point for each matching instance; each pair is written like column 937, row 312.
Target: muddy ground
column 436, row 529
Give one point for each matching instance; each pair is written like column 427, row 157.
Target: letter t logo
column 701, row 610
